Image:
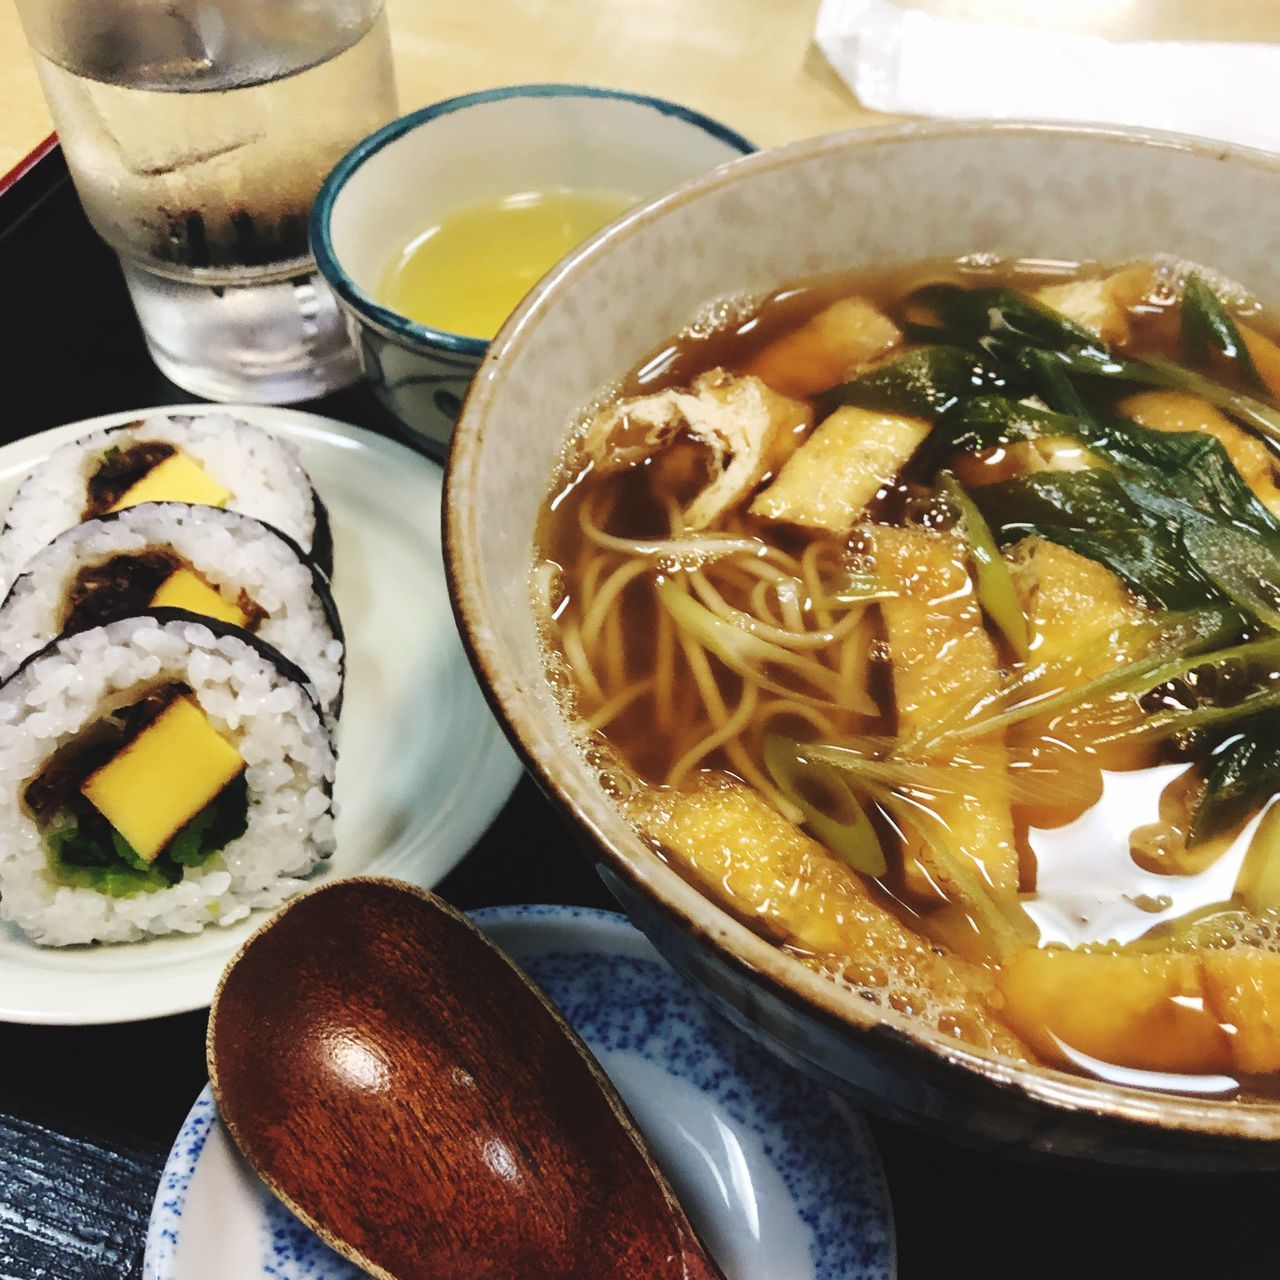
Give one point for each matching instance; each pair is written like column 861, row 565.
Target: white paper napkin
column 912, row 63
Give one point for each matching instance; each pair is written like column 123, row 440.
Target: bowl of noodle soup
column 757, row 614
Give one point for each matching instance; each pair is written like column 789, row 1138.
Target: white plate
column 422, row 766
column 782, row 1181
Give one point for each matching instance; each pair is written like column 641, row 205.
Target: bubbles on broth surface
column 877, row 985
column 1172, row 272
column 720, row 315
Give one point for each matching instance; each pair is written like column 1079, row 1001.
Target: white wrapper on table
column 910, row 62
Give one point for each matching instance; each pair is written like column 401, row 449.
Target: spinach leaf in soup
column 1243, row 776
column 1156, row 371
column 1091, row 513
column 1210, row 338
column 1166, row 511
column 1048, row 378
column 923, row 383
column 1002, row 322
column 1192, row 466
column 1027, row 339
column 1244, row 565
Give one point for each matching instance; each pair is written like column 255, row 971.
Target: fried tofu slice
column 749, row 429
column 1020, row 458
column 848, row 460
column 1049, row 453
column 827, row 349
column 767, row 872
column 1101, row 304
column 1090, row 304
column 1217, row 1010
column 1143, row 1011
column 1073, row 605
column 1068, row 600
column 941, row 652
column 1179, row 411
column 942, row 658
column 1242, row 987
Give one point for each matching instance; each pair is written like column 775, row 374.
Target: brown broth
column 1080, row 884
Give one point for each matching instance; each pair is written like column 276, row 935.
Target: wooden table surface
column 750, row 63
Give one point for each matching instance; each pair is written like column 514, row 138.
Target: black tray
column 87, row 1115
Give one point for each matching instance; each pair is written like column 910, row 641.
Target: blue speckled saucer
column 782, row 1180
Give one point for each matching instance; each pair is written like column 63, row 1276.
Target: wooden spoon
column 406, row 1091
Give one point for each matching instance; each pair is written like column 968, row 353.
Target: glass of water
column 197, row 133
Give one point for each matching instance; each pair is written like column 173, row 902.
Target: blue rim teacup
column 463, row 151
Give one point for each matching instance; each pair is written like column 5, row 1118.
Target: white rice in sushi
column 256, row 700
column 233, row 553
column 261, row 471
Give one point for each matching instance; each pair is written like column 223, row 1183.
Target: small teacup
column 462, row 152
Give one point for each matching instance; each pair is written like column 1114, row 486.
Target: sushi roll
column 158, row 774
column 212, row 459
column 219, row 564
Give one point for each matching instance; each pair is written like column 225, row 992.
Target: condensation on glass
column 198, row 133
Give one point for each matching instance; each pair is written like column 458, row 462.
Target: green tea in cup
column 466, row 273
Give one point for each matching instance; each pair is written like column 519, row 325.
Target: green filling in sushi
column 150, row 790
column 158, row 773
column 88, row 853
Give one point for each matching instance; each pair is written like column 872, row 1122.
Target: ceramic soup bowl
column 863, row 199
column 462, row 152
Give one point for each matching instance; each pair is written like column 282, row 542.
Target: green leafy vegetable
column 1049, row 378
column 1003, row 322
column 986, row 421
column 921, row 384
column 996, row 592
column 91, row 854
column 1242, row 564
column 1156, row 371
column 1243, row 775
column 84, row 861
column 1191, row 466
column 1095, row 514
column 1008, row 326
column 1208, row 331
column 221, row 821
column 831, row 811
column 127, row 853
column 1200, row 476
column 1171, row 516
